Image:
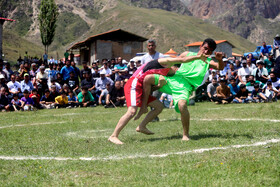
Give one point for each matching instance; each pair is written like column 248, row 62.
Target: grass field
column 69, row 147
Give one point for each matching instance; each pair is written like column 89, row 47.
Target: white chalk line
column 33, row 124
column 138, row 156
column 226, row 119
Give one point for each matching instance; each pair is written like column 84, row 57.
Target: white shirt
column 147, row 57
column 243, row 72
column 14, row 86
column 253, row 66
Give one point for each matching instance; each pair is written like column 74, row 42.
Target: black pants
column 217, row 99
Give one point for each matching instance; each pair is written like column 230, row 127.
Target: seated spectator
column 66, row 88
column 237, row 64
column 73, row 83
column 27, row 102
column 250, row 83
column 116, row 96
column 250, row 64
column 33, row 71
column 213, row 75
column 4, row 101
column 276, row 45
column 223, row 93
column 72, row 100
column 85, row 98
column 257, row 96
column 242, row 95
column 88, row 82
column 36, row 98
column 167, row 100
column 16, row 103
column 62, row 100
column 8, row 70
column 131, row 68
column 26, row 84
column 275, row 82
column 252, row 59
column 14, row 86
column 211, row 89
column 108, row 71
column 57, row 85
column 234, row 88
column 270, row 92
column 76, row 69
column 264, row 51
column 47, row 101
column 85, row 70
column 261, row 72
column 226, row 67
column 120, row 66
column 243, row 72
column 101, row 82
column 59, row 79
column 42, row 80
column 51, row 72
column 103, row 96
column 95, row 73
column 231, row 73
column 53, row 92
column 269, row 62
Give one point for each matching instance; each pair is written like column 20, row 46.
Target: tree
column 47, row 18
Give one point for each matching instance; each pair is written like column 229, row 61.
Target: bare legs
column 185, row 118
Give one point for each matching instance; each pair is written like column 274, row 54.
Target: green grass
column 83, row 132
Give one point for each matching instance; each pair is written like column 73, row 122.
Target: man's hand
column 204, row 57
column 219, row 55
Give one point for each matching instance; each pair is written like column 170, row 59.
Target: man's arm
column 217, row 65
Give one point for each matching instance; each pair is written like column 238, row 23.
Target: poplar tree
column 47, row 17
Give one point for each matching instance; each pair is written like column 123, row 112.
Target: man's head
column 72, row 74
column 68, row 63
column 233, row 82
column 244, row 63
column 13, row 78
column 63, row 94
column 105, row 65
column 119, row 60
column 26, row 93
column 256, row 86
column 273, row 76
column 249, row 61
column 53, row 88
column 207, row 47
column 269, row 84
column 251, row 78
column 118, row 84
column 26, row 77
column 223, row 81
column 264, row 44
column 84, row 63
column 108, row 85
column 84, row 90
column 214, row 81
column 93, row 65
column 102, row 74
column 47, row 92
column 260, row 64
column 8, row 65
column 15, row 96
column 243, row 87
column 225, row 60
column 151, row 46
column 2, row 90
column 34, row 92
column 231, row 66
column 87, row 75
column 42, row 69
column 73, row 63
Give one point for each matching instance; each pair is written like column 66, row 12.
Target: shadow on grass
column 201, row 136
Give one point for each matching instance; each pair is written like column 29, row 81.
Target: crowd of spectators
column 48, row 84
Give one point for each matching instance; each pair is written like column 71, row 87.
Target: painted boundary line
column 138, row 156
column 32, row 124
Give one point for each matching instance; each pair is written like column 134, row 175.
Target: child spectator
column 275, row 82
column 85, row 98
column 234, row 88
column 103, row 96
column 257, row 95
column 72, row 100
column 242, row 95
column 223, row 93
column 61, row 101
column 47, row 101
column 16, row 103
column 53, row 91
column 167, row 100
column 261, row 72
column 27, row 102
column 36, row 98
column 270, row 92
column 4, row 101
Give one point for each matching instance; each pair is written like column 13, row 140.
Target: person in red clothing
column 36, row 98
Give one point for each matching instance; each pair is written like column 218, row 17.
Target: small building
column 222, row 46
column 109, row 45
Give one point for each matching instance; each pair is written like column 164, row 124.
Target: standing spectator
column 95, row 73
column 152, row 53
column 72, row 56
column 73, row 83
column 88, row 82
column 260, row 73
column 47, row 101
column 66, row 55
column 242, row 72
column 212, row 89
column 223, row 93
column 62, row 100
column 45, row 57
column 234, row 88
column 8, row 70
column 257, row 95
column 84, row 70
column 264, row 51
column 119, row 67
column 27, row 102
column 66, row 70
column 131, row 68
column 269, row 62
column 76, row 69
column 101, row 82
column 116, row 96
column 85, row 98
column 26, row 84
column 51, row 72
column 276, row 45
column 226, row 67
column 242, row 95
column 14, row 86
column 213, row 75
column 232, row 72
column 4, row 101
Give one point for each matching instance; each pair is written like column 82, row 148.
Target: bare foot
column 144, row 131
column 142, row 111
column 185, row 138
column 115, row 140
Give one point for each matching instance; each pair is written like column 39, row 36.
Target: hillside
column 80, row 19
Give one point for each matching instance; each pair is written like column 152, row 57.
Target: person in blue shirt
column 66, row 70
column 264, row 50
column 234, row 88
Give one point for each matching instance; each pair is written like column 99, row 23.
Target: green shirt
column 268, row 65
column 88, row 97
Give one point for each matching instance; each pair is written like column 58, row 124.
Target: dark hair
column 247, row 76
column 26, row 91
column 85, row 88
column 47, row 90
column 269, row 83
column 256, row 85
column 63, row 92
column 215, row 78
column 272, row 72
column 211, row 43
column 242, row 86
column 84, row 62
column 15, row 95
column 34, row 90
column 232, row 79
